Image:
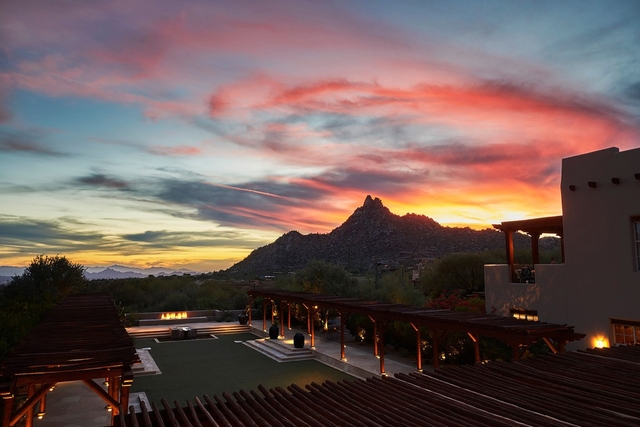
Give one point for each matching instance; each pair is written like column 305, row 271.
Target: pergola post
column 508, row 234
column 381, row 333
column 27, row 407
column 264, row 314
column 31, row 389
column 343, row 319
column 312, row 314
column 289, row 315
column 535, row 252
column 308, row 318
column 418, row 347
column 282, row 304
column 476, row 346
column 375, row 336
column 250, row 308
column 8, row 399
column 125, row 386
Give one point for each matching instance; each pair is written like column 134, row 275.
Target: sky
column 185, row 134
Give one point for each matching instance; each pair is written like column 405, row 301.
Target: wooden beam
column 28, row 405
column 549, row 344
column 103, row 394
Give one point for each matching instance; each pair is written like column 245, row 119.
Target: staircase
column 203, row 330
column 279, row 351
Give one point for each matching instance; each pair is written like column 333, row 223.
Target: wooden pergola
column 534, row 228
column 566, row 389
column 82, row 338
column 518, row 334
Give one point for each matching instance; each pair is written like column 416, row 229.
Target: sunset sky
column 184, row 134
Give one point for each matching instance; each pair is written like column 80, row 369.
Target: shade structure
column 564, row 389
column 516, row 333
column 82, row 338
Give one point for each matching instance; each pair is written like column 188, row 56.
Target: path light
column 40, row 415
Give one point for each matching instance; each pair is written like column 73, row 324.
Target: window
column 522, row 314
column 625, row 332
column 636, row 240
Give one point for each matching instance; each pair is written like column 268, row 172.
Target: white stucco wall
column 598, row 280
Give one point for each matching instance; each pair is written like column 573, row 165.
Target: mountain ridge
column 371, row 235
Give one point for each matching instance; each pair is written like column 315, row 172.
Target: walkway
column 63, row 403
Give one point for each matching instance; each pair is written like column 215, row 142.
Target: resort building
column 595, row 287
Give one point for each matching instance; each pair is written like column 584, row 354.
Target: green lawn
column 197, row 367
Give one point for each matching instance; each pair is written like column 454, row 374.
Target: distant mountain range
column 373, row 235
column 111, row 272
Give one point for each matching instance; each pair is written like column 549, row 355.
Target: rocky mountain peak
column 372, row 234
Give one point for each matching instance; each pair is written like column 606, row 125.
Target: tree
column 26, row 299
column 463, row 272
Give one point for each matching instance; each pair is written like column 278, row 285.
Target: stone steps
column 280, row 351
column 163, row 332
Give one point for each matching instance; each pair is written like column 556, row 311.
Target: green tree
column 321, row 277
column 48, row 277
column 455, row 272
column 27, row 298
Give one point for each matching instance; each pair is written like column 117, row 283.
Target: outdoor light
column 52, row 387
column 40, row 415
column 599, row 343
column 108, row 408
column 344, row 359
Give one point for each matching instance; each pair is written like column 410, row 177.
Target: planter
column 243, row 319
column 273, row 332
column 298, row 340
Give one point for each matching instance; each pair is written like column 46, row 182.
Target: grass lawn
column 197, row 367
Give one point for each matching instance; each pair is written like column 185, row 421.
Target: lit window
column 626, row 332
column 522, row 314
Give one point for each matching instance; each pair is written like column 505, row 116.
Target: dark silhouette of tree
column 27, row 298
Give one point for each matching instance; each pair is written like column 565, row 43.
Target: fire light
column 172, row 316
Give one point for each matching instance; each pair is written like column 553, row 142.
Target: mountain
column 372, row 234
column 111, row 272
column 122, row 271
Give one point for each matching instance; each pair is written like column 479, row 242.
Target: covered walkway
column 518, row 334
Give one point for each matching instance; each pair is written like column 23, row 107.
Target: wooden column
column 127, row 381
column 535, row 252
column 264, row 314
column 8, row 399
column 282, row 304
column 250, row 309
column 375, row 336
column 26, row 408
column 312, row 312
column 343, row 319
column 509, row 247
column 308, row 318
column 31, row 389
column 418, row 347
column 42, row 409
column 381, row 333
column 476, row 345
column 289, row 316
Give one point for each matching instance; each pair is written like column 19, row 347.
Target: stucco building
column 596, row 285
